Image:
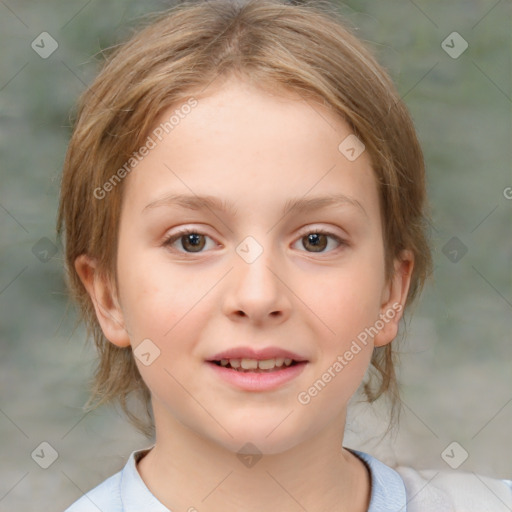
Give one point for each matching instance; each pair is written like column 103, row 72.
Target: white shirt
column 392, row 490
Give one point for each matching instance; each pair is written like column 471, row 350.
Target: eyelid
column 341, row 240
column 181, row 232
column 312, row 228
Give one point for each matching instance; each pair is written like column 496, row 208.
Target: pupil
column 192, row 241
column 315, row 240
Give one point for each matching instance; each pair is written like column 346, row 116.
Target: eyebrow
column 293, row 205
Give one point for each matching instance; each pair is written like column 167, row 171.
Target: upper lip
column 259, row 355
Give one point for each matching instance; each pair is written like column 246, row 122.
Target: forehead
column 252, row 148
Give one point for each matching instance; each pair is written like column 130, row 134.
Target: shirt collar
column 387, row 487
column 135, row 495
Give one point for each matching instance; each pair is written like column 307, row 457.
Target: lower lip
column 262, row 381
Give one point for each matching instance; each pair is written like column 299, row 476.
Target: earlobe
column 394, row 298
column 108, row 311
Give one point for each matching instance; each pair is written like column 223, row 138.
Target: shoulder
column 105, row 496
column 123, row 492
column 410, row 490
column 453, row 491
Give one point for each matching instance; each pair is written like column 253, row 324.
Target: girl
column 244, row 205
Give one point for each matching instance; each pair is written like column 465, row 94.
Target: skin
column 256, row 150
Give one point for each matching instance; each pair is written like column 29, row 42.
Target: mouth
column 255, row 365
column 257, row 375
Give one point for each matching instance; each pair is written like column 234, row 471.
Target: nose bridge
column 258, row 287
column 256, row 260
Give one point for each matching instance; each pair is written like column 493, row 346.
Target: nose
column 257, row 289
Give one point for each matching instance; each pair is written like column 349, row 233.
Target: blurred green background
column 456, row 371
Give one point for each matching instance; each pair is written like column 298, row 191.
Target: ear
column 108, row 311
column 393, row 299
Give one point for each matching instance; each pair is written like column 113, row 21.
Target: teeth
column 253, row 364
column 267, row 364
column 249, row 364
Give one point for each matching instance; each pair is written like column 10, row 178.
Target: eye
column 318, row 240
column 191, row 239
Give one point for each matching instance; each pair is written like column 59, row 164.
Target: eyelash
column 176, row 236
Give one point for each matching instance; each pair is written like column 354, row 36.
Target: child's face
column 257, row 152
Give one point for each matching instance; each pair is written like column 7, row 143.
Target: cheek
column 347, row 299
column 163, row 309
column 166, row 304
column 158, row 308
column 153, row 299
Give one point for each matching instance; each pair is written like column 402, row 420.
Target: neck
column 186, row 471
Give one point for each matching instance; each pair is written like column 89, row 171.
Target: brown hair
column 305, row 49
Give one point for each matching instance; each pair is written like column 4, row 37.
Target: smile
column 254, row 375
column 255, row 364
